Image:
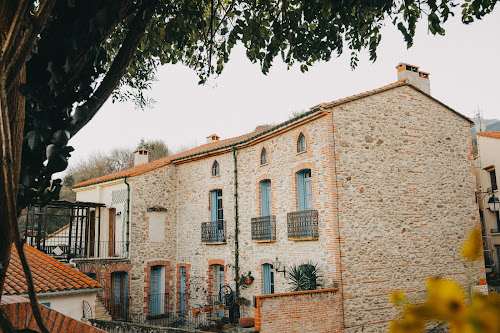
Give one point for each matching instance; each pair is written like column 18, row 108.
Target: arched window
column 301, row 143
column 215, row 169
column 263, row 156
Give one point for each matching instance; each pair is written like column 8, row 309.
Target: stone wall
column 406, row 199
column 304, row 311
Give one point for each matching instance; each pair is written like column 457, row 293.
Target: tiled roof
column 49, row 275
column 20, row 314
column 219, row 145
column 494, row 135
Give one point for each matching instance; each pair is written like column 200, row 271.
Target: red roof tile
column 219, row 145
column 494, row 135
column 49, row 275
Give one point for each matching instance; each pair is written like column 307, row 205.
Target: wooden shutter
column 301, row 191
column 265, row 197
column 213, row 206
column 268, row 279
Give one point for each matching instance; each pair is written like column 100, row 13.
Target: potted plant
column 246, row 322
column 206, row 308
column 219, row 305
column 242, row 301
column 245, row 279
column 196, row 312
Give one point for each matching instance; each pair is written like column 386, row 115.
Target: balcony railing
column 303, row 225
column 264, row 228
column 118, row 307
column 59, row 248
column 158, row 304
column 213, row 232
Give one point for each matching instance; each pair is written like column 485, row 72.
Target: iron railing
column 158, row 304
column 213, row 232
column 118, row 307
column 59, row 248
column 264, row 228
column 303, row 225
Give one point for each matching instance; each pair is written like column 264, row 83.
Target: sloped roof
column 494, row 135
column 223, row 144
column 49, row 275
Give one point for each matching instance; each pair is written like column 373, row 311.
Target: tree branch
column 119, row 65
column 15, row 26
column 28, row 41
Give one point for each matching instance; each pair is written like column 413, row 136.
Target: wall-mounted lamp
column 277, row 266
column 494, row 203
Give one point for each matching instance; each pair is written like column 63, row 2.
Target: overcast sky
column 464, row 67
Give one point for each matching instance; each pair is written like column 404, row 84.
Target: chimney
column 141, row 156
column 416, row 77
column 212, row 138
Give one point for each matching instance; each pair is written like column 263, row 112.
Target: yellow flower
column 398, row 297
column 473, row 247
column 446, row 300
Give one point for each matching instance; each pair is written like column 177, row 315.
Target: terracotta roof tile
column 145, row 167
column 49, row 275
column 494, row 135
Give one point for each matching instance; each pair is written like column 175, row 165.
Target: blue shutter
column 308, row 190
column 116, row 288
column 301, row 191
column 213, row 206
column 268, row 279
column 183, row 289
column 265, row 197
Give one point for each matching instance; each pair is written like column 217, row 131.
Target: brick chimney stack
column 416, row 77
column 141, row 156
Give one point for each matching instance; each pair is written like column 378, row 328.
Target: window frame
column 301, row 143
column 264, row 156
column 215, row 171
column 493, row 180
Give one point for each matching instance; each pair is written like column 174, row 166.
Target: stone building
column 488, row 158
column 376, row 189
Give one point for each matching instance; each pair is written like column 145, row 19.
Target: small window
column 493, row 178
column 301, row 143
column 263, row 156
column 215, row 169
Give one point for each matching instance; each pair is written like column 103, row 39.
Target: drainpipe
column 127, row 244
column 236, row 228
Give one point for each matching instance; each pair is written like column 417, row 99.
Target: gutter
column 236, row 226
column 64, row 292
column 127, row 223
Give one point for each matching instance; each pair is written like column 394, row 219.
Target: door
column 119, row 298
column 265, row 197
column 91, row 246
column 155, row 296
column 220, row 284
column 111, row 232
column 268, row 278
column 217, row 216
column 183, row 289
column 304, row 187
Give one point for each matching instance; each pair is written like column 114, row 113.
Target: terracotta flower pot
column 207, row 309
column 246, row 322
column 196, row 312
column 220, row 307
column 248, row 281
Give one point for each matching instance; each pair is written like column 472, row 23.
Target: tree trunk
column 12, row 111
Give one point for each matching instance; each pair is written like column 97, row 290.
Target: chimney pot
column 212, row 138
column 414, row 76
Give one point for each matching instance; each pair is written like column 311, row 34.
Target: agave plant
column 304, row 277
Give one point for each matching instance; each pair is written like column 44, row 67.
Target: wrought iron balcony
column 264, row 228
column 303, row 225
column 213, row 232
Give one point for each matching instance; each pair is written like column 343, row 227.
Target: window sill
column 214, row 243
column 302, row 152
column 264, row 164
column 264, row 241
column 303, row 239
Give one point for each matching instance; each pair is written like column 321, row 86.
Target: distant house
column 57, row 285
column 376, row 189
column 488, row 178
